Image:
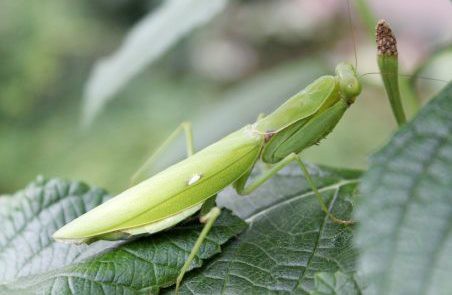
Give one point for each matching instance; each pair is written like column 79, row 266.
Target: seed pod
column 388, row 63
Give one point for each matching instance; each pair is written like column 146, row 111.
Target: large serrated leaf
column 405, row 231
column 28, row 219
column 32, row 263
column 288, row 242
column 338, row 283
column 289, row 238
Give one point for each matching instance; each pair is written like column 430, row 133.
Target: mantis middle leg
column 243, row 189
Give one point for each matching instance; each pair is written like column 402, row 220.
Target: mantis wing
column 302, row 105
column 172, row 192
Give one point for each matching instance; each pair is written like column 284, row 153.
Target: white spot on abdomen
column 194, row 179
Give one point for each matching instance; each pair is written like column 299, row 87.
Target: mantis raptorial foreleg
column 185, row 127
column 209, row 219
column 243, row 189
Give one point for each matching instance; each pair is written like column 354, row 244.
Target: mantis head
column 349, row 85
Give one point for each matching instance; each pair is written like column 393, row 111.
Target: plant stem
column 367, row 16
column 411, row 100
column 389, row 68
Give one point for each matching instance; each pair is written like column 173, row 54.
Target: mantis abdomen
column 180, row 188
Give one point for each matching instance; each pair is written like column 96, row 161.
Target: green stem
column 388, row 62
column 366, row 15
column 389, row 74
column 410, row 99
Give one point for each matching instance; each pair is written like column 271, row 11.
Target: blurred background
column 248, row 57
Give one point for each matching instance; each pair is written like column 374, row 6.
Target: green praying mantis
column 191, row 185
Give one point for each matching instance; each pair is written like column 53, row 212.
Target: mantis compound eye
column 350, row 87
column 349, row 84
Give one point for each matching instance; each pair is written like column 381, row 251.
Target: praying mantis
column 191, row 185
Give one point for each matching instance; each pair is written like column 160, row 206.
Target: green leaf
column 32, row 263
column 338, row 283
column 405, row 217
column 28, row 219
column 144, row 44
column 289, row 238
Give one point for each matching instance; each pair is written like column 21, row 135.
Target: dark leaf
column 31, row 262
column 338, row 283
column 289, row 238
column 405, row 228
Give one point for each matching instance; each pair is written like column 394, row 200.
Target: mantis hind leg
column 209, row 219
column 242, row 189
column 183, row 127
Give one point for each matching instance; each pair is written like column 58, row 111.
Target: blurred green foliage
column 48, row 47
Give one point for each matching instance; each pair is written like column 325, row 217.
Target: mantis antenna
column 407, row 76
column 350, row 21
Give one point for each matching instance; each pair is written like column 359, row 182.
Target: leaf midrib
column 250, row 219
